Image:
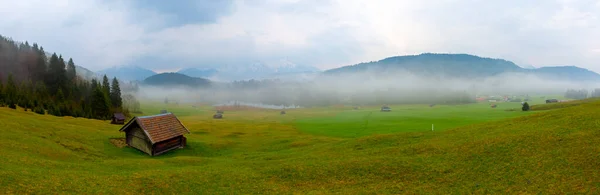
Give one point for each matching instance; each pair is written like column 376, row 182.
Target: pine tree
column 71, row 72
column 100, row 106
column 94, row 84
column 105, row 85
column 11, row 91
column 61, row 74
column 52, row 74
column 115, row 94
column 41, row 66
column 60, row 96
column 58, row 105
column 106, row 89
column 1, row 93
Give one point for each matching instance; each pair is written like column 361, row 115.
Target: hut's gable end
column 137, row 138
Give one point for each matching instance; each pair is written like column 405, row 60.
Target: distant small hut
column 431, row 105
column 163, row 111
column 386, row 109
column 220, row 112
column 551, row 101
column 282, row 112
column 494, row 106
column 356, row 108
column 156, row 134
column 118, row 118
column 218, row 116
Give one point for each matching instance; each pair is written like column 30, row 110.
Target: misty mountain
column 281, row 69
column 428, row 64
column 571, row 73
column 127, row 73
column 85, row 73
column 460, row 66
column 195, row 72
column 527, row 66
column 173, row 79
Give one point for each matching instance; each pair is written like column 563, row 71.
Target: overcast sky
column 168, row 35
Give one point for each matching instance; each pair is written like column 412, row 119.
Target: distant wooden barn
column 118, row 118
column 551, row 101
column 218, row 116
column 156, row 134
column 386, row 109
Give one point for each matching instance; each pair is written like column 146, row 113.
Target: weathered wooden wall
column 167, row 145
column 137, row 138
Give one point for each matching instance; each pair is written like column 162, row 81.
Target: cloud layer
column 325, row 33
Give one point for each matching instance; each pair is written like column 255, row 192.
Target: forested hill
column 460, row 66
column 49, row 84
column 176, row 79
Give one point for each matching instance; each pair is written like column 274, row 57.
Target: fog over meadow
column 369, row 88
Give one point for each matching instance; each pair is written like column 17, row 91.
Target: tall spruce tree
column 106, row 89
column 71, row 72
column 94, row 85
column 52, row 74
column 61, row 74
column 1, row 93
column 41, row 66
column 100, row 105
column 115, row 94
column 105, row 85
column 10, row 91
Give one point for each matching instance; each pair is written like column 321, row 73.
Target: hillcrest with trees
column 33, row 82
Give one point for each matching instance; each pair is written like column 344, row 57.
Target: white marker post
column 431, row 127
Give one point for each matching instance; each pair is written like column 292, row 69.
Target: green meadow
column 473, row 149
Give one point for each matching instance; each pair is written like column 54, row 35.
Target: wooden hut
column 156, row 134
column 386, row 109
column 551, row 101
column 282, row 112
column 118, row 118
column 218, row 116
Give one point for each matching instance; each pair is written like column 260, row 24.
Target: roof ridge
column 151, row 116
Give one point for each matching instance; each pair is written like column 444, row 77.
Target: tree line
column 32, row 80
column 581, row 94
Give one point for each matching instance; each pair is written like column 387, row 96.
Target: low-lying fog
column 363, row 89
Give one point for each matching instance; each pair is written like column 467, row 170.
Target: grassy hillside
column 552, row 106
column 252, row 152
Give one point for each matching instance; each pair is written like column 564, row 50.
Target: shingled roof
column 119, row 116
column 159, row 127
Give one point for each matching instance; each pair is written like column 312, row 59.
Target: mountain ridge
column 461, row 66
column 128, row 73
column 175, row 79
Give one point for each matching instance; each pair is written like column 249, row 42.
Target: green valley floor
column 473, row 149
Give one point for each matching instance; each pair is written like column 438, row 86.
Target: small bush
column 525, row 107
column 12, row 105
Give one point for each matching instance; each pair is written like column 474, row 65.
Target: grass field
column 475, row 149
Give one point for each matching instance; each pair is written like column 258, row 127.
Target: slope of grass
column 262, row 152
column 558, row 105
